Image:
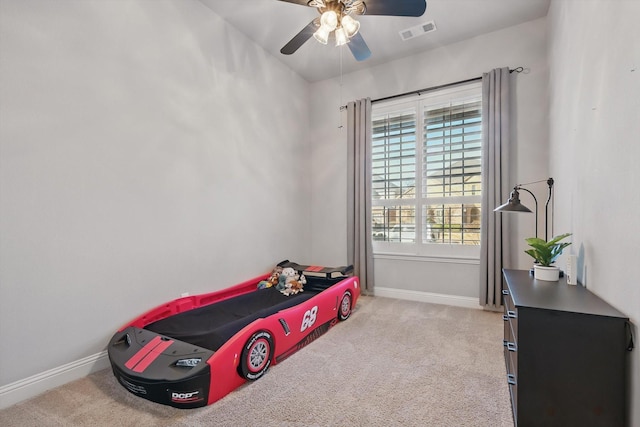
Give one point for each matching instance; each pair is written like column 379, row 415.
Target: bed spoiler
column 317, row 270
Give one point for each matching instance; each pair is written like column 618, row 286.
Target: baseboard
column 27, row 388
column 454, row 300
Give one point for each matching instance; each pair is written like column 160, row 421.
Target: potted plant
column 545, row 254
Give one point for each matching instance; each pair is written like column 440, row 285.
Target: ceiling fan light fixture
column 322, row 35
column 341, row 37
column 329, row 19
column 350, row 25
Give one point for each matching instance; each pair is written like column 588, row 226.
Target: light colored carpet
column 393, row 363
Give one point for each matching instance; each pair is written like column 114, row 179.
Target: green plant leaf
column 535, row 240
column 558, row 238
column 545, row 253
column 533, row 254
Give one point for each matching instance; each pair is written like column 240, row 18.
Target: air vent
column 418, row 30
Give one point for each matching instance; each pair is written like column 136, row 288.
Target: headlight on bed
column 189, row 363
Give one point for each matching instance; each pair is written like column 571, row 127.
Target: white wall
column 146, row 151
column 594, row 150
column 522, row 45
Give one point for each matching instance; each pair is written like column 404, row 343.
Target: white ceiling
column 272, row 23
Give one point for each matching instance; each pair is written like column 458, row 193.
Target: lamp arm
column 546, row 209
column 520, row 187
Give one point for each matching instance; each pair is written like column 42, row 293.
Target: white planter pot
column 549, row 274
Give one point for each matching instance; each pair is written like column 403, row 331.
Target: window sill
column 427, row 258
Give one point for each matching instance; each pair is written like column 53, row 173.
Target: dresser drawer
column 510, row 316
column 511, row 359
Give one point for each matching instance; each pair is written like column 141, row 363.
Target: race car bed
column 192, row 351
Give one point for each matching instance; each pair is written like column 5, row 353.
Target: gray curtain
column 359, row 244
column 494, row 245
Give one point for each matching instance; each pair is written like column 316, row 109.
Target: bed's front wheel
column 256, row 355
column 345, row 306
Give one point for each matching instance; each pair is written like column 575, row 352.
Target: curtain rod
column 419, row 92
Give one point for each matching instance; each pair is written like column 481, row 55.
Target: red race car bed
column 192, row 351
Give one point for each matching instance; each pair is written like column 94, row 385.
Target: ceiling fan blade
column 359, row 48
column 301, row 2
column 395, row 7
column 300, row 38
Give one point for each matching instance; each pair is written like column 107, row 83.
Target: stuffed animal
column 297, row 285
column 272, row 280
column 286, row 290
column 275, row 276
column 282, row 279
column 290, row 282
column 264, row 284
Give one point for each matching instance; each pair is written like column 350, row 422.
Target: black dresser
column 566, row 352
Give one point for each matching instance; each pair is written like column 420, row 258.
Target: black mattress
column 213, row 325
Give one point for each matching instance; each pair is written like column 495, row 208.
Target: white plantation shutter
column 452, row 154
column 426, row 166
column 394, row 175
column 394, row 155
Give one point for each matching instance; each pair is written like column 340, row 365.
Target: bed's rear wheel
column 256, row 355
column 344, row 310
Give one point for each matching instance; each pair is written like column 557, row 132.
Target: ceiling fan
column 336, row 21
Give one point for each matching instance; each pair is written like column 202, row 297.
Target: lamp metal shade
column 513, row 204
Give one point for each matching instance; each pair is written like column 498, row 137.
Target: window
column 426, row 173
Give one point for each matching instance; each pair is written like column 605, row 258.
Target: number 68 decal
column 309, row 318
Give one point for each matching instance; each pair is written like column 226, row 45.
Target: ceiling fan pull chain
column 340, row 125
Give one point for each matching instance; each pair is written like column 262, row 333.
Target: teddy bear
column 291, row 282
